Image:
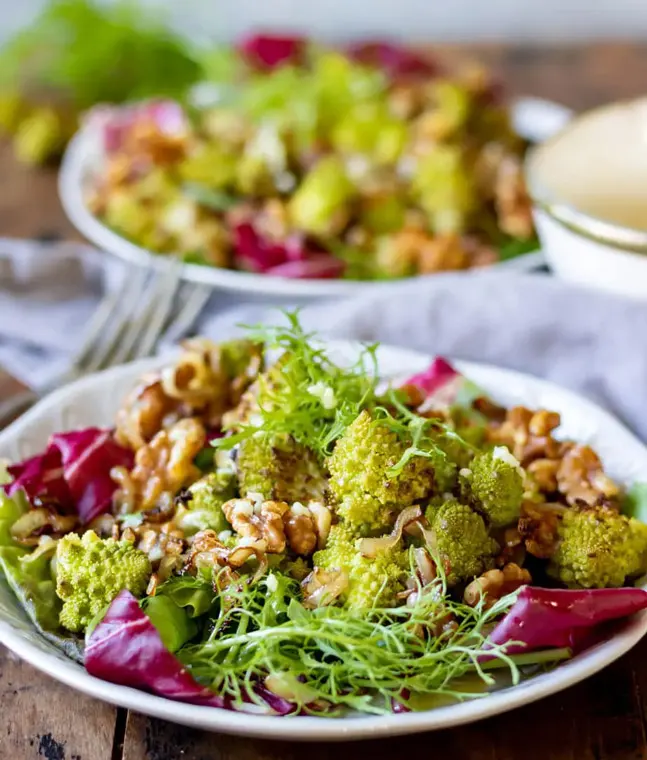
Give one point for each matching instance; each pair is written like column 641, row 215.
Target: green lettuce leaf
column 635, row 502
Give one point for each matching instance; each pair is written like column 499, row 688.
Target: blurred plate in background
column 534, row 119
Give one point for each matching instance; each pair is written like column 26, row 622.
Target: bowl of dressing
column 588, row 184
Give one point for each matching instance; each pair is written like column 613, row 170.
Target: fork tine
column 160, row 314
column 194, row 301
column 128, row 300
column 159, row 298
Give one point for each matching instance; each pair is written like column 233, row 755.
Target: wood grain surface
column 603, row 718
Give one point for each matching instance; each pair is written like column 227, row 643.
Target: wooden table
column 603, row 718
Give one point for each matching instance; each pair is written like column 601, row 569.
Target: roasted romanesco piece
column 277, row 467
column 202, row 508
column 598, row 548
column 372, row 582
column 366, row 494
column 493, row 483
column 91, row 571
column 464, row 545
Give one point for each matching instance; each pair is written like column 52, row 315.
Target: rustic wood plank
column 44, row 719
column 29, row 205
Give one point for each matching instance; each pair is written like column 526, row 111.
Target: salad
column 266, row 530
column 305, row 162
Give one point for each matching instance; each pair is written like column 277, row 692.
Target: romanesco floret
column 366, row 494
column 372, row 581
column 203, row 507
column 493, row 483
column 598, row 548
column 91, row 571
column 464, row 545
column 277, row 467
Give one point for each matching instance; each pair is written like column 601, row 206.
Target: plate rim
column 306, row 728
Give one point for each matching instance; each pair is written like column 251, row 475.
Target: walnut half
column 277, row 524
column 495, row 584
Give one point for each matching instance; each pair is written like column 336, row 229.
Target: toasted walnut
column 479, row 254
column 513, row 205
column 489, row 409
column 160, row 541
column 162, row 467
column 260, row 520
column 322, row 517
column 495, row 584
column 442, row 253
column 146, row 139
column 277, row 525
column 300, row 530
column 512, row 547
column 581, row 477
column 544, row 474
column 527, row 434
column 206, row 551
column 145, row 411
column 538, row 526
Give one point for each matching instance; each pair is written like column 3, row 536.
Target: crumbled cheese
column 133, row 520
column 406, row 167
column 224, row 461
column 357, row 167
column 324, row 393
column 256, row 497
column 243, row 507
column 271, row 582
column 502, row 454
column 156, row 554
column 285, row 181
column 465, row 472
column 298, row 509
column 180, row 217
column 257, row 543
column 269, row 148
column 224, row 535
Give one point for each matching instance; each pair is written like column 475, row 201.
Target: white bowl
column 588, row 188
column 94, row 401
column 533, row 118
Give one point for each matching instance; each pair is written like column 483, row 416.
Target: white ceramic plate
column 533, row 118
column 94, row 401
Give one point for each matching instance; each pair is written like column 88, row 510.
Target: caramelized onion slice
column 425, row 565
column 29, row 527
column 321, row 587
column 371, row 547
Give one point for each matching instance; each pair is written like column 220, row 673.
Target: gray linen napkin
column 591, row 342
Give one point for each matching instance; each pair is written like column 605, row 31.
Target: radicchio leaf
column 113, row 123
column 546, row 617
column 265, row 51
column 438, row 375
column 318, row 266
column 126, row 648
column 444, row 387
column 289, row 258
column 41, row 476
column 73, row 472
column 396, row 61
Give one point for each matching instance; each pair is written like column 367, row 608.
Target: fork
column 126, row 326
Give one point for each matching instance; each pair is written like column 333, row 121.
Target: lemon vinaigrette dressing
column 598, row 166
